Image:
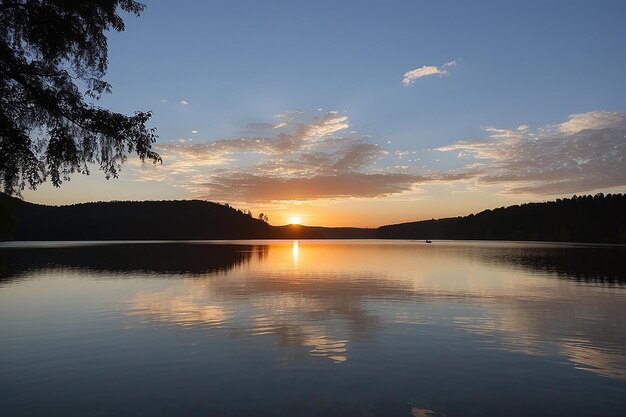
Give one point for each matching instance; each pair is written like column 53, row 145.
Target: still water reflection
column 312, row 328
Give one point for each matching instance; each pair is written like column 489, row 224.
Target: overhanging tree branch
column 40, row 42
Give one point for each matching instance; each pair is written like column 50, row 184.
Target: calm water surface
column 312, row 328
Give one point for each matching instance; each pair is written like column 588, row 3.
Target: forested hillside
column 192, row 219
column 599, row 218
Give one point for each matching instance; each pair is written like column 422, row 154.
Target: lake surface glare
column 312, row 328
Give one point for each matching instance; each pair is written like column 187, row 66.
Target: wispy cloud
column 308, row 158
column 246, row 186
column 184, row 102
column 587, row 152
column 425, row 71
column 591, row 120
column 317, row 158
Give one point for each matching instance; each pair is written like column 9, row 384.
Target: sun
column 295, row 220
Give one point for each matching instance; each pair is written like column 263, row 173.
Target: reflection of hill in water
column 160, row 258
column 579, row 263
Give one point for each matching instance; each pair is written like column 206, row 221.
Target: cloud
column 425, row 71
column 592, row 120
column 307, row 159
column 184, row 102
column 246, row 186
column 317, row 158
column 261, row 127
column 585, row 153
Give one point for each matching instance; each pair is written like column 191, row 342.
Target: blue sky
column 238, row 64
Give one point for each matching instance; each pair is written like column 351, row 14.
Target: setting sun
column 295, row 219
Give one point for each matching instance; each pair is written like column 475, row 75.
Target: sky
column 364, row 113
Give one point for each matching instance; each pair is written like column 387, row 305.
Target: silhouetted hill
column 119, row 220
column 296, row 231
column 149, row 220
column 599, row 219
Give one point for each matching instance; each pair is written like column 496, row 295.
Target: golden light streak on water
column 296, row 252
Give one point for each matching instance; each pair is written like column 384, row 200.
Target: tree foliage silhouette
column 53, row 57
column 599, row 218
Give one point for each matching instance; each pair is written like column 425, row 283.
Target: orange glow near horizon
column 376, row 212
column 436, row 201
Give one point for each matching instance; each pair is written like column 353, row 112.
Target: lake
column 312, row 328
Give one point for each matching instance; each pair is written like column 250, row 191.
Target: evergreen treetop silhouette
column 53, row 56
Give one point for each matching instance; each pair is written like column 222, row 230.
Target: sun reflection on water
column 296, row 252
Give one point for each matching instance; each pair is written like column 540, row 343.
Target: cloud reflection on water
column 330, row 297
column 298, row 306
column 184, row 310
column 322, row 306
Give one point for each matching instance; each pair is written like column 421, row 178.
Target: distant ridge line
column 585, row 219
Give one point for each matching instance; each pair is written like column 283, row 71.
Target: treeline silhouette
column 297, row 231
column 122, row 220
column 150, row 220
column 599, row 219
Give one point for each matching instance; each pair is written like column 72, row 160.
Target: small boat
column 429, row 241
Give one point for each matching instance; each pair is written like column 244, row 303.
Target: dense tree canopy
column 595, row 219
column 53, row 57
